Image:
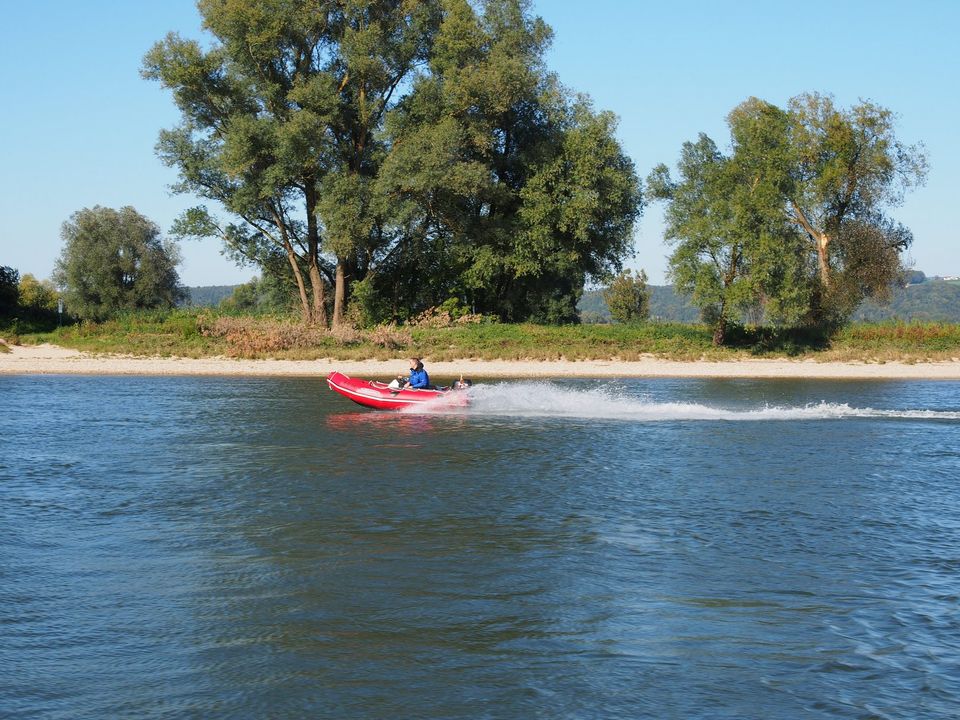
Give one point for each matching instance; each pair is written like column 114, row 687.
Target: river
column 642, row 548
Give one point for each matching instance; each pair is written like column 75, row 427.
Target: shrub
column 628, row 297
column 346, row 334
column 251, row 337
column 366, row 307
column 390, row 337
column 447, row 314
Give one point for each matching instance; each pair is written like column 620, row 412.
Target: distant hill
column 932, row 300
column 665, row 305
column 209, row 295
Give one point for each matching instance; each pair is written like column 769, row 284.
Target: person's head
column 415, row 364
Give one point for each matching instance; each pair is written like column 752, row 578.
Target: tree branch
column 801, row 219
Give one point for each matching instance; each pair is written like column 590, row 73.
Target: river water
column 236, row 547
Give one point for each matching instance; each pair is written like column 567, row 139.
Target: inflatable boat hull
column 380, row 396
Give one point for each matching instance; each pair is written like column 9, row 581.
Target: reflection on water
column 263, row 548
column 377, row 423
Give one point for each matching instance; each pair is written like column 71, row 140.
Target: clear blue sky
column 78, row 124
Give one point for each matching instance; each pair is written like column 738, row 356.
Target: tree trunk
column 720, row 329
column 823, row 242
column 339, row 293
column 820, row 239
column 319, row 314
column 297, row 275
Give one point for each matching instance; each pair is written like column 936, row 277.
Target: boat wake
column 542, row 399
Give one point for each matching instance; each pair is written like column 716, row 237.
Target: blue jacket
column 419, row 379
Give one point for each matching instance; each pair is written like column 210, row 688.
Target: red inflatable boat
column 374, row 394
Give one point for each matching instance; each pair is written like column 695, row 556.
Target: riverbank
column 53, row 360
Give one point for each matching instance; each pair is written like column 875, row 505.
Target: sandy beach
column 53, row 360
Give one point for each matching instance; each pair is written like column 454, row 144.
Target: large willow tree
column 115, row 261
column 286, row 105
column 792, row 221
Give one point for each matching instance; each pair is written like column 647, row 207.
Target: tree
column 789, row 226
column 285, row 110
column 267, row 294
column 38, row 297
column 848, row 168
column 512, row 191
column 115, row 260
column 9, row 291
column 716, row 219
column 628, row 297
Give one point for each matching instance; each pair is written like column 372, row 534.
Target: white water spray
column 543, row 399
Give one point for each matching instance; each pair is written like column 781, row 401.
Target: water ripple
column 179, row 547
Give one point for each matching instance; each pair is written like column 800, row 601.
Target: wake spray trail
column 542, row 399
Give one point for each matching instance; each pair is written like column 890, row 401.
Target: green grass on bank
column 198, row 333
column 914, row 342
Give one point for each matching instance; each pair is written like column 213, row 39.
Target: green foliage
column 628, row 297
column 9, row 291
column 38, row 305
column 926, row 340
column 208, row 295
column 714, row 219
column 38, row 296
column 510, row 191
column 779, row 341
column 931, row 301
column 666, row 305
column 367, row 306
column 114, row 261
column 407, row 151
column 265, row 295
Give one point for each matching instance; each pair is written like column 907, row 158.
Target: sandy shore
column 53, row 360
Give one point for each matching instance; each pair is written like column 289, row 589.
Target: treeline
column 26, row 303
column 378, row 161
column 931, row 301
column 405, row 156
column 209, row 295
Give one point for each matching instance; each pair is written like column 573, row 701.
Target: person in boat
column 418, row 376
column 462, row 384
